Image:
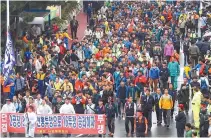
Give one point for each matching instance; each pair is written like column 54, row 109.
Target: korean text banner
column 56, row 123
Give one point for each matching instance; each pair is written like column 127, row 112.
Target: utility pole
column 8, row 15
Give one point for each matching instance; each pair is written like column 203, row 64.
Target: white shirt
column 8, row 108
column 44, row 109
column 32, row 117
column 99, row 34
column 88, row 32
column 103, row 9
column 56, row 49
column 38, row 102
column 67, row 109
column 27, row 99
column 38, row 65
column 90, row 109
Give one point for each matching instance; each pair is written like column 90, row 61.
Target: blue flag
column 9, row 59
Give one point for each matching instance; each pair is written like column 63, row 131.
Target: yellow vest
column 40, row 76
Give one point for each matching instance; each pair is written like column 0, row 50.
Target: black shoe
column 167, row 126
column 172, row 117
column 127, row 135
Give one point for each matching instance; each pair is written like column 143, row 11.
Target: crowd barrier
column 56, row 123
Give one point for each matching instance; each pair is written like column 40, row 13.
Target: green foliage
column 67, row 8
column 3, row 6
column 58, row 21
column 28, row 16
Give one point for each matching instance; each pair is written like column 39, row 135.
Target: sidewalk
column 82, row 20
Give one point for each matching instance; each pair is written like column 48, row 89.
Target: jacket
column 154, row 73
column 164, row 74
column 168, row 50
column 19, row 83
column 87, row 52
column 156, row 100
column 110, row 110
column 194, row 50
column 205, row 46
column 174, row 68
column 122, row 92
column 183, row 94
column 166, row 102
column 140, row 80
column 49, row 91
column 105, row 96
column 78, row 103
column 147, row 105
column 180, row 120
column 133, row 92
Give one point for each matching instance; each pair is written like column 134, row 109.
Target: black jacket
column 180, row 120
column 183, row 94
column 164, row 74
column 157, row 99
column 148, row 105
column 107, row 94
column 204, row 47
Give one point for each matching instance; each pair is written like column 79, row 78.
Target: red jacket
column 201, row 71
column 141, row 79
column 62, row 49
column 55, row 28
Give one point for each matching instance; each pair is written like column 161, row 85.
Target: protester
column 196, row 102
column 148, row 106
column 188, row 129
column 166, row 104
column 157, row 108
column 130, row 112
column 180, row 121
column 111, row 111
column 8, row 107
column 74, row 27
column 141, row 126
column 30, row 122
column 183, row 95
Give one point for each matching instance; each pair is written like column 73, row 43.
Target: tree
column 17, row 7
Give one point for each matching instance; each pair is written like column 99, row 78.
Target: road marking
column 79, row 135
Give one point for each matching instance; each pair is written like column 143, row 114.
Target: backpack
column 203, row 69
column 203, row 84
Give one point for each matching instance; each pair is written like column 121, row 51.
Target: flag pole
column 8, row 15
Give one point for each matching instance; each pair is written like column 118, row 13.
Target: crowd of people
column 126, row 67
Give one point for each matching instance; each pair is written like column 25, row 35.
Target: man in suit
column 180, row 121
column 148, row 106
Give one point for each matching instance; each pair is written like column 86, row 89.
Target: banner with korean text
column 56, row 123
